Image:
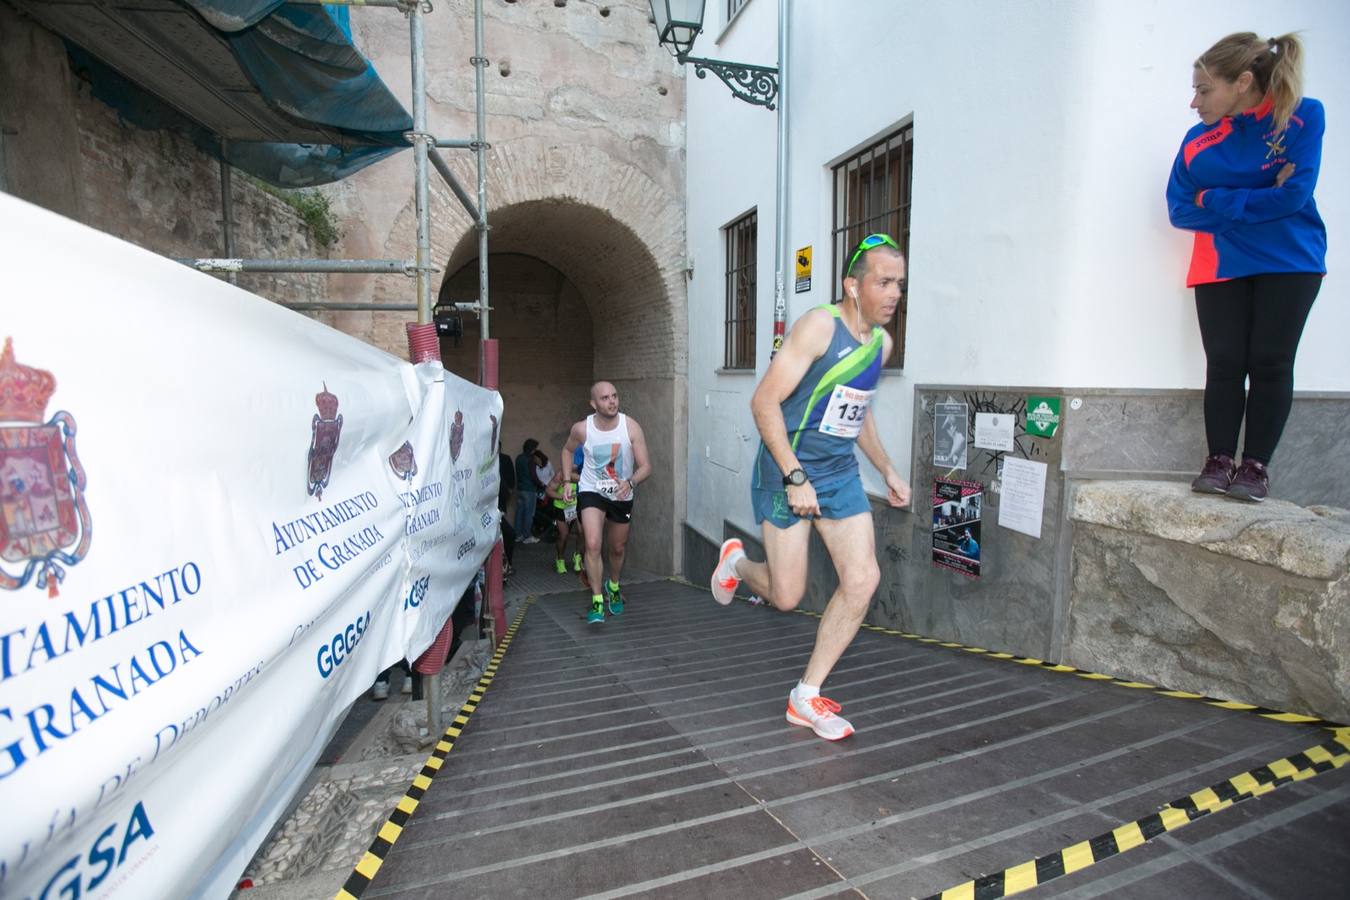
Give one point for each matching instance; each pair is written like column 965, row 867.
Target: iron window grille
column 742, row 246
column 872, row 192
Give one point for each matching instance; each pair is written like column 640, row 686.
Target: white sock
column 734, row 559
column 804, row 691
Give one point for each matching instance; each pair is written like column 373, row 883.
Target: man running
column 614, row 462
column 562, row 495
column 811, row 409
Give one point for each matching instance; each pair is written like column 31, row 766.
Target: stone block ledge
column 1249, row 602
column 1312, row 542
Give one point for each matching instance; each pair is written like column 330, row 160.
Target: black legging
column 1250, row 328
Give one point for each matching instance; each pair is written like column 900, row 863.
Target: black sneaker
column 1216, row 476
column 1251, row 483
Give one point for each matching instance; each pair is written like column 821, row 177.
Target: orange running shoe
column 724, row 580
column 819, row 714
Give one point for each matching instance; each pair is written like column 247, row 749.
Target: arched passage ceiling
column 634, row 319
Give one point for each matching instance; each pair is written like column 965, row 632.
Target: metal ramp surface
column 648, row 756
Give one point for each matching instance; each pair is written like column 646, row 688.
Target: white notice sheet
column 994, row 431
column 1022, row 500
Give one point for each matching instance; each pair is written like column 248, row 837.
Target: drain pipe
column 781, row 249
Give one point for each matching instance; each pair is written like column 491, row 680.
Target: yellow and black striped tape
column 1262, row 711
column 1332, row 754
column 389, row 832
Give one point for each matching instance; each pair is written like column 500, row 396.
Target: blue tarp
column 303, row 64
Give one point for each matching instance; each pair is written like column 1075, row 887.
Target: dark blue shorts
column 837, row 501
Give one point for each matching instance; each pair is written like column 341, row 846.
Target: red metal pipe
column 487, row 377
column 424, row 345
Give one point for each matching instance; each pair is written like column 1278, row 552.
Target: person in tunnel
column 528, row 490
column 614, row 462
column 811, row 409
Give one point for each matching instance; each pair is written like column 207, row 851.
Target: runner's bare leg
column 851, row 543
column 781, row 578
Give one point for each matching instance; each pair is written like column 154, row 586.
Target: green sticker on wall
column 1042, row 416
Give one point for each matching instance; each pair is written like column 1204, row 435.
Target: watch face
column 796, row 477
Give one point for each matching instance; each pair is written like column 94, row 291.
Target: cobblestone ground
column 334, row 823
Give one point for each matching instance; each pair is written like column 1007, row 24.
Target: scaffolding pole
column 227, row 205
column 331, row 266
column 340, row 306
column 480, row 151
column 417, row 39
column 455, row 187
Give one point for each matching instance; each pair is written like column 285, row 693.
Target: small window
column 733, row 7
column 742, row 245
column 872, row 193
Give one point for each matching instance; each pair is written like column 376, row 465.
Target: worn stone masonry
column 1248, row 602
column 67, row 151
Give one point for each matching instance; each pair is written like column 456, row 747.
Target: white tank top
column 607, row 460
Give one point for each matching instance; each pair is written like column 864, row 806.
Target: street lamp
column 678, row 22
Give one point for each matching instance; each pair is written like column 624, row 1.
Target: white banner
column 221, row 520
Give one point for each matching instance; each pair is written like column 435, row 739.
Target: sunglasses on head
column 870, row 242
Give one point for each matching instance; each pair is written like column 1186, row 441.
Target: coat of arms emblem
column 456, row 436
column 326, row 431
column 44, row 521
column 403, row 462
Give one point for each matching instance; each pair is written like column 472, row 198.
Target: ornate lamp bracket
column 756, row 85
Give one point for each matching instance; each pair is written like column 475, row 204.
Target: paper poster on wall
column 994, row 431
column 949, row 435
column 803, row 283
column 1022, row 501
column 957, row 506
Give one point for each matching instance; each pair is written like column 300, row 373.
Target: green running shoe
column 615, row 600
column 576, row 562
column 597, row 613
column 560, row 566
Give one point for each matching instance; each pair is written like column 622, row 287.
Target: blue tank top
column 827, row 408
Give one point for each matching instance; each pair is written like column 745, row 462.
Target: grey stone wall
column 1020, row 602
column 1122, row 433
column 1198, row 593
column 1012, row 604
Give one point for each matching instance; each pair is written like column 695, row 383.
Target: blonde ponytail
column 1286, row 77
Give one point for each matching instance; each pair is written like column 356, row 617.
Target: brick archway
column 573, row 226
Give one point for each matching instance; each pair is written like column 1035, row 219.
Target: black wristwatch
column 795, row 478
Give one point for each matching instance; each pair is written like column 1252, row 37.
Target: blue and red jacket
column 1223, row 188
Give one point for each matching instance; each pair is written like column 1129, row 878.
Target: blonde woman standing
column 1243, row 182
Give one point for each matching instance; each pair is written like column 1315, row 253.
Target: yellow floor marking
column 1019, row 878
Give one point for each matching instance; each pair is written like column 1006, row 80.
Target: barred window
column 742, row 245
column 733, row 7
column 872, row 193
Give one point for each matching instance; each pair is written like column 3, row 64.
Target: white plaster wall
column 1040, row 248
